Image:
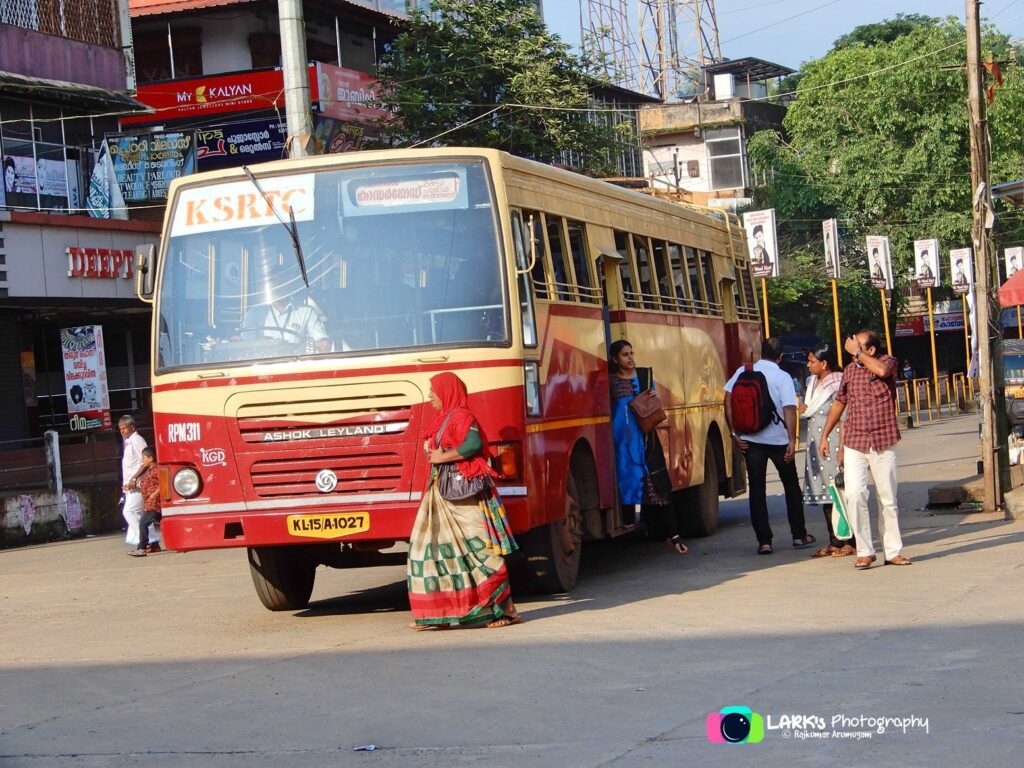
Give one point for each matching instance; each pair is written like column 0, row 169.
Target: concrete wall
column 34, row 54
column 226, row 43
column 39, row 516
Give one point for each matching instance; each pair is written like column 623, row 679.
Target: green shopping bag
column 840, row 525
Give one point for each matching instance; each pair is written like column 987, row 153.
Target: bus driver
column 288, row 320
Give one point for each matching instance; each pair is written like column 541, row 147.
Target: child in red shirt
column 149, row 484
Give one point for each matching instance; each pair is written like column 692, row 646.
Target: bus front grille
column 356, row 473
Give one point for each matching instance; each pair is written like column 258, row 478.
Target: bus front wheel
column 283, row 576
column 700, row 504
column 551, row 552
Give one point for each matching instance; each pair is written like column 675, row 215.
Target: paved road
column 171, row 661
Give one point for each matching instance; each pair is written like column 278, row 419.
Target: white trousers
column 881, row 465
column 132, row 512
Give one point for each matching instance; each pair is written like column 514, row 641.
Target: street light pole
column 980, row 192
column 298, row 111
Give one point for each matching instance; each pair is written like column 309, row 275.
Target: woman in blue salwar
column 640, row 471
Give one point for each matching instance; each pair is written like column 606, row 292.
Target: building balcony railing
column 87, row 21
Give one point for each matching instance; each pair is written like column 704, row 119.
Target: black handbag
column 452, row 485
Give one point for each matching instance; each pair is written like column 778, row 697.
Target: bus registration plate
column 331, row 526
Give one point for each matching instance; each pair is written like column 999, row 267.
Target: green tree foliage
column 884, row 31
column 878, row 138
column 456, row 62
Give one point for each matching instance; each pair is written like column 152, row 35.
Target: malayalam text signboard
column 85, row 378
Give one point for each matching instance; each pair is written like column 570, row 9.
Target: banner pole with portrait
column 926, row 274
column 880, row 270
column 1014, row 257
column 830, row 236
column 763, row 250
column 961, row 270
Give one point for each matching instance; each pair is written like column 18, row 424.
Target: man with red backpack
column 760, row 408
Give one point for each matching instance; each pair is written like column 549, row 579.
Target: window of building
column 725, row 157
column 153, row 53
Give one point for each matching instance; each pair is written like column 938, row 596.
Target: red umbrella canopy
column 1011, row 293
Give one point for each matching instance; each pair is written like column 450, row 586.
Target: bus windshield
column 1013, row 369
column 396, row 256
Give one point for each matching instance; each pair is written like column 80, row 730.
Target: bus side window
column 523, row 256
column 629, row 294
column 556, row 242
column 711, row 284
column 661, row 271
column 648, row 292
column 677, row 270
column 696, row 283
column 539, row 273
column 580, row 263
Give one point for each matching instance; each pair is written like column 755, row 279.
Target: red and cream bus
column 515, row 275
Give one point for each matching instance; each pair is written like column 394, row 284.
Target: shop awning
column 157, row 7
column 86, row 98
column 1011, row 293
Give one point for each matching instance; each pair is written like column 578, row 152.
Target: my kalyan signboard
column 337, row 92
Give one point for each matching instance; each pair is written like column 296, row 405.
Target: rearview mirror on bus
column 145, row 271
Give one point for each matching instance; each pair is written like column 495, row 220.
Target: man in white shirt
column 131, row 468
column 776, row 442
column 298, row 321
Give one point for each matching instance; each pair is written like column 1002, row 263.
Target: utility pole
column 297, row 108
column 979, row 234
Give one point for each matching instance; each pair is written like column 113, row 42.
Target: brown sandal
column 828, row 551
column 845, row 551
column 428, row 627
column 505, row 621
column 863, row 563
column 899, row 560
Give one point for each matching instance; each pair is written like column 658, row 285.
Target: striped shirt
column 870, row 407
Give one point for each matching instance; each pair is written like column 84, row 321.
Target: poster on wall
column 19, row 175
column 145, row 164
column 830, row 234
column 85, row 378
column 1013, row 257
column 760, row 226
column 879, row 262
column 926, row 263
column 961, row 267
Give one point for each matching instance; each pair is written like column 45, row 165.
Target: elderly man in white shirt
column 131, row 469
column 775, row 442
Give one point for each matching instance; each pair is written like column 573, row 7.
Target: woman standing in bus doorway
column 639, row 461
column 456, row 573
column 819, row 473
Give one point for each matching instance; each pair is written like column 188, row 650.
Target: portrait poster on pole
column 830, row 234
column 879, row 262
column 764, row 253
column 85, row 378
column 926, row 263
column 1013, row 258
column 961, row 267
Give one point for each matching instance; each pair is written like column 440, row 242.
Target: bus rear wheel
column 552, row 552
column 283, row 576
column 700, row 504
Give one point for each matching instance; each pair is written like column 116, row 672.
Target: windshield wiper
column 293, row 230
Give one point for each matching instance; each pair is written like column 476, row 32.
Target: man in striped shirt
column 870, row 435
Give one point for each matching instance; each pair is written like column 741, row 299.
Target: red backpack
column 752, row 406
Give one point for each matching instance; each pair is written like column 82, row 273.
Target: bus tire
column 551, row 553
column 700, row 504
column 283, row 576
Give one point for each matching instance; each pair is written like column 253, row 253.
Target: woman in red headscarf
column 456, row 571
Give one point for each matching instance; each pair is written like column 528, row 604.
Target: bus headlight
column 531, row 381
column 186, row 482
